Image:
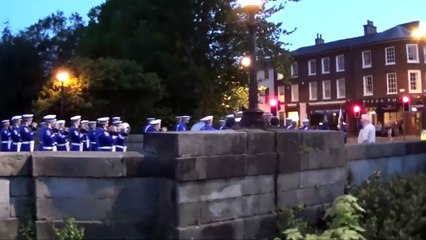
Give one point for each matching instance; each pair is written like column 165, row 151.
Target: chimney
column 319, row 40
column 369, row 28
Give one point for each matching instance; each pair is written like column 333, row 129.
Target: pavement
column 386, row 139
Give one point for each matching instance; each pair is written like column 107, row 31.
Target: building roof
column 399, row 32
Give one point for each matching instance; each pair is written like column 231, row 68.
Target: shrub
column 70, row 231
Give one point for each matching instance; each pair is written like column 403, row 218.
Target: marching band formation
column 17, row 134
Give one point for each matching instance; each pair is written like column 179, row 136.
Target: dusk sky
column 334, row 19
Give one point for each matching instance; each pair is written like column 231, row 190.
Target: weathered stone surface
column 21, row 186
column 221, row 230
column 414, row 164
column 287, row 141
column 377, row 150
column 138, row 165
column 290, row 162
column 259, row 227
column 259, row 141
column 15, row 164
column 322, row 139
column 9, row 229
column 21, row 206
column 323, row 158
column 188, row 144
column 4, row 199
column 415, row 147
column 78, row 164
column 115, row 199
column 288, row 181
column 322, row 177
column 213, row 167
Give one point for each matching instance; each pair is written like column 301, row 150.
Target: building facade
column 373, row 71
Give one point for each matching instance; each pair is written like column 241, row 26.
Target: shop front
column 326, row 112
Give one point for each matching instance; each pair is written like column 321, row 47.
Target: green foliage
column 395, row 208
column 26, row 231
column 343, row 221
column 70, row 231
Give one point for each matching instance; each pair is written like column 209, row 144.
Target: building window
column 313, row 91
column 294, row 70
column 326, row 89
column 412, row 53
column 294, row 92
column 414, row 81
column 312, row 67
column 340, row 63
column 325, row 63
column 341, row 88
column 390, row 55
column 366, row 59
column 391, row 83
column 368, row 85
column 281, row 93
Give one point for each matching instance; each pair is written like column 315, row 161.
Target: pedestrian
column 148, row 125
column 40, row 135
column 105, row 139
column 182, row 124
column 62, row 144
column 49, row 137
column 91, row 133
column 15, row 135
column 123, row 131
column 26, row 131
column 84, row 128
column 305, row 125
column 5, row 136
column 289, row 124
column 222, row 123
column 208, row 121
column 368, row 132
column 75, row 135
column 154, row 126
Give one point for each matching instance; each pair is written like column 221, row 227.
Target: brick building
column 373, row 70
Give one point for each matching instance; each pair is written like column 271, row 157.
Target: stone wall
column 192, row 185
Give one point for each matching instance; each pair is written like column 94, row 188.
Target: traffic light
column 273, row 103
column 406, row 103
column 357, row 110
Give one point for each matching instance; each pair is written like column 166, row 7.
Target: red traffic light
column 405, row 99
column 357, row 109
column 273, row 102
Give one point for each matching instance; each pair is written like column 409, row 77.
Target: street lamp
column 62, row 77
column 252, row 117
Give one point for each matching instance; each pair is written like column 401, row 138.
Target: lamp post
column 62, row 77
column 252, row 117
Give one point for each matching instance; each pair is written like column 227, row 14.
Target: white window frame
column 364, row 81
column 364, row 65
column 388, row 83
column 294, row 87
column 323, row 89
column 294, row 71
column 386, row 56
column 416, row 51
column 310, row 72
column 418, row 81
column 281, row 93
column 340, row 81
column 311, row 98
column 337, row 63
column 323, row 70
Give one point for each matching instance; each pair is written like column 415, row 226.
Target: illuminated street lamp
column 62, row 77
column 246, row 62
column 252, row 117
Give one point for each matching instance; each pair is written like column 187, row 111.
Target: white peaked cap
column 230, row 116
column 61, row 121
column 92, row 122
column 5, row 121
column 186, row 116
column 75, row 118
column 321, row 123
column 155, row 122
column 116, row 119
column 84, row 121
column 222, row 120
column 238, row 119
column 305, row 120
column 26, row 116
column 150, row 119
column 178, row 117
column 117, row 122
column 18, row 117
column 103, row 120
column 49, row 117
column 206, row 118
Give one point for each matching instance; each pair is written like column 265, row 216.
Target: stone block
column 313, row 214
column 323, row 158
column 138, row 165
column 260, row 227
column 288, row 181
column 4, row 199
column 261, row 164
column 253, row 185
column 21, row 186
column 415, row 147
column 320, row 177
column 287, row 141
column 117, row 199
column 21, row 206
column 289, row 198
column 9, row 229
column 290, row 161
column 322, row 139
column 15, row 164
column 190, row 144
column 259, row 141
column 414, row 164
column 138, row 138
column 78, row 164
column 377, row 150
column 222, row 230
column 189, row 213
